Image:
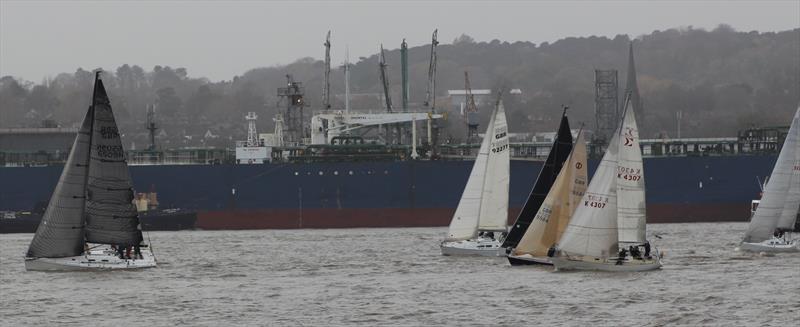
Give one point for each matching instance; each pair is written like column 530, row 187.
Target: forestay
column 464, row 224
column 631, row 215
column 111, row 216
column 775, row 197
column 60, row 233
column 557, row 208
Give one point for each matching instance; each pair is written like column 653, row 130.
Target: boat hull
column 386, row 194
column 480, row 247
column 564, row 263
column 526, row 260
column 95, row 261
column 774, row 245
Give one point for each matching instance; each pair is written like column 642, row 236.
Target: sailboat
column 776, row 214
column 481, row 217
column 90, row 222
column 562, row 147
column 610, row 218
column 553, row 216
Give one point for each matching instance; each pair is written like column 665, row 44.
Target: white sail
column 631, row 215
column 792, row 202
column 553, row 216
column 592, row 230
column 494, row 201
column 771, row 207
column 464, row 224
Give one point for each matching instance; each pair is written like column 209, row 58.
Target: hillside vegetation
column 721, row 80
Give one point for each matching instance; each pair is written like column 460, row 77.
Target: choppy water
column 398, row 277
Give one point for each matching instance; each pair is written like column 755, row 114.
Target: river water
column 398, row 277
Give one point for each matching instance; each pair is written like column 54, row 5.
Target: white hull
column 565, row 263
column 96, row 260
column 772, row 245
column 477, row 247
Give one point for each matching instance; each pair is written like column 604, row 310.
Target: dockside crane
column 470, row 111
column 387, row 97
column 430, row 96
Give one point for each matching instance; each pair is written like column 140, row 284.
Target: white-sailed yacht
column 481, row 217
column 773, row 221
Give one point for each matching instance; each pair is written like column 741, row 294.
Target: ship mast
column 326, row 89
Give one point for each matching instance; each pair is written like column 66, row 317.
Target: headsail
column 60, row 233
column 792, row 202
column 631, row 217
column 562, row 146
column 777, row 192
column 111, row 217
column 557, row 208
column 494, row 201
column 464, row 224
column 592, row 230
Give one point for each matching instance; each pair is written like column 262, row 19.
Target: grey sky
column 220, row 39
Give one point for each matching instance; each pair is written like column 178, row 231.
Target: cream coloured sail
column 592, row 230
column 464, row 224
column 494, row 200
column 776, row 193
column 631, row 214
column 792, row 202
column 553, row 216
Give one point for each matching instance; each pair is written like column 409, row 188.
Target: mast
column 430, row 95
column 404, row 72
column 347, row 80
column 385, row 81
column 151, row 127
column 326, row 88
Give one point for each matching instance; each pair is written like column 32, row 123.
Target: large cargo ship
column 689, row 187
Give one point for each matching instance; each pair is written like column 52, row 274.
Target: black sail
column 60, row 233
column 562, row 146
column 111, row 217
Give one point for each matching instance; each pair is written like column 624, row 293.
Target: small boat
column 553, row 216
column 773, row 221
column 91, row 222
column 607, row 232
column 480, row 220
column 562, row 147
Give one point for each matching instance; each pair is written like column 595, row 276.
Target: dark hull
column 389, row 194
column 522, row 262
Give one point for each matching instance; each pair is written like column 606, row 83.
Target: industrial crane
column 326, row 88
column 470, row 111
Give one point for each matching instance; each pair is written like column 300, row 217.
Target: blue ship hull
column 403, row 193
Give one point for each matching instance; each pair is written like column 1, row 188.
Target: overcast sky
column 221, row 39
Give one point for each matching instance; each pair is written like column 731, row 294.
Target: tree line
column 721, row 81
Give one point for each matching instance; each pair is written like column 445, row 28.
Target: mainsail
column 779, row 204
column 561, row 148
column 484, row 202
column 60, row 233
column 631, row 215
column 111, row 217
column 557, row 208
